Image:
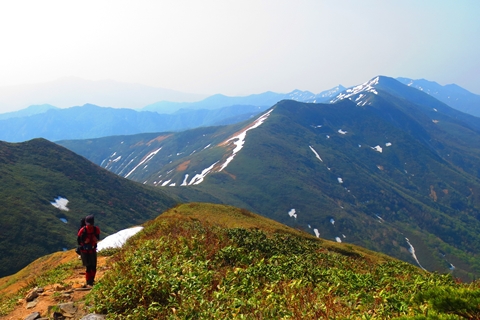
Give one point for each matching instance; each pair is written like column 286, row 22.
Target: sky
column 240, row 47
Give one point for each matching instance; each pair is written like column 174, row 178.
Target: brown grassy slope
column 233, row 217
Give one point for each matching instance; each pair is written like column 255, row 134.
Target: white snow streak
column 198, row 178
column 147, row 158
column 166, row 182
column 316, row 154
column 411, row 249
column 240, row 138
column 184, row 183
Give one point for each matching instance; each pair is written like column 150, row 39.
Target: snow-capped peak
column 368, row 86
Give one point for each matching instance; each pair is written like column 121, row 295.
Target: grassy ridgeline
column 203, row 261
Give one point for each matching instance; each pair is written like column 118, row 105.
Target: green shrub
column 192, row 271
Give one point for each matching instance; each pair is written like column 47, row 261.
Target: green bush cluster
column 193, row 271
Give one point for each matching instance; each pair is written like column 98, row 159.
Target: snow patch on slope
column 292, row 213
column 198, row 178
column 239, row 139
column 117, row 240
column 368, row 86
column 316, row 154
column 60, row 203
column 411, row 249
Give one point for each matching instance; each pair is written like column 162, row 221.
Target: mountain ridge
column 265, row 99
column 71, row 91
column 451, row 94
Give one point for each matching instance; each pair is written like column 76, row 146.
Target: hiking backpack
column 89, row 237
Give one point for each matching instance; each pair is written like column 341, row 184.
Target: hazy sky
column 240, row 47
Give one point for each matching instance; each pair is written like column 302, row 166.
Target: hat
column 89, row 219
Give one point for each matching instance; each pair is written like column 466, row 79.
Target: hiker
column 88, row 237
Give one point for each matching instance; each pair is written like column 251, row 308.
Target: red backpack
column 89, row 236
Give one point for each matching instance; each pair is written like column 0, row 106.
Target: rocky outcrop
column 66, row 309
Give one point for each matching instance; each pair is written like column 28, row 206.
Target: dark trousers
column 89, row 260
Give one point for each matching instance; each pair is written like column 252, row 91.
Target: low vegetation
column 205, row 261
column 184, row 265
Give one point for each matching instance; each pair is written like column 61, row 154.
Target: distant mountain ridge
column 31, row 110
column 73, row 91
column 90, row 121
column 384, row 166
column 451, row 94
column 266, row 99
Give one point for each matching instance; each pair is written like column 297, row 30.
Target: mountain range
column 383, row 165
column 266, row 99
column 91, row 121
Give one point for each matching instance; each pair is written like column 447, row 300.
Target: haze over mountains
column 384, row 166
column 73, row 91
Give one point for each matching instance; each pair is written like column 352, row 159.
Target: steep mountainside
column 46, row 190
column 385, row 166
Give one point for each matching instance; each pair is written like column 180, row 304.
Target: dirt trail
column 70, row 290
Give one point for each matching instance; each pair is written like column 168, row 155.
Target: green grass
column 202, row 261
